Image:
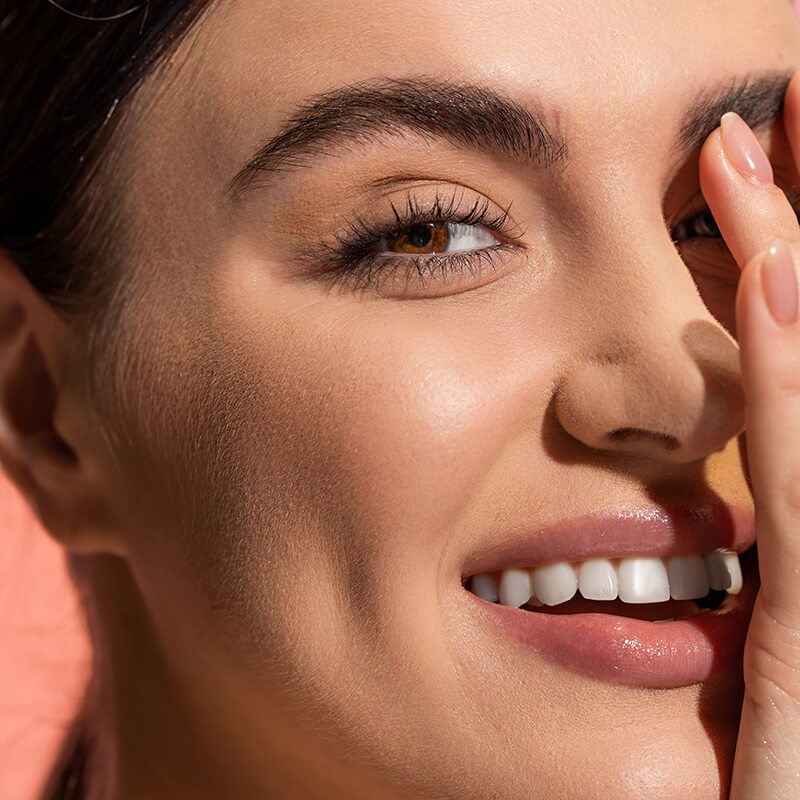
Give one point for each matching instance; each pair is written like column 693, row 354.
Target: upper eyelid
column 449, row 206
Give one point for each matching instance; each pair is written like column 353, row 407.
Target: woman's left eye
column 428, row 238
column 700, row 225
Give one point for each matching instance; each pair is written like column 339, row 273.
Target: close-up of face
column 414, row 292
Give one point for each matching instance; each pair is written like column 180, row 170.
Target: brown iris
column 424, row 237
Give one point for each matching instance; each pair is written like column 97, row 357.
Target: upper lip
column 640, row 531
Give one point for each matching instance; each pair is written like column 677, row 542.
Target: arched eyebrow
column 467, row 115
column 756, row 98
column 476, row 118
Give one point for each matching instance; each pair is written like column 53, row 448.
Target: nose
column 658, row 376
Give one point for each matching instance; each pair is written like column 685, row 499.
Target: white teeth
column 643, row 580
column 688, row 578
column 485, row 587
column 515, row 587
column 724, row 571
column 597, row 580
column 634, row 580
column 555, row 584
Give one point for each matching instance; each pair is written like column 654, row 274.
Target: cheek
column 393, row 422
column 314, row 471
column 726, row 474
column 320, row 448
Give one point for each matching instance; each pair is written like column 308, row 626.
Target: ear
column 46, row 445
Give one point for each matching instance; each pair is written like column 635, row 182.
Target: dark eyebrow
column 757, row 99
column 477, row 118
column 468, row 115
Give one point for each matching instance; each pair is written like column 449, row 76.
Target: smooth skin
column 270, row 485
column 753, row 216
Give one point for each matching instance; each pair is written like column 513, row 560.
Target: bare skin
column 271, row 482
column 755, row 216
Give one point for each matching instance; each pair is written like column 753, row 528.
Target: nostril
column 636, row 435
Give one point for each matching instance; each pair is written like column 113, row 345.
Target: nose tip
column 678, row 398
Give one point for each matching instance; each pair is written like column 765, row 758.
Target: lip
column 660, row 531
column 616, row 648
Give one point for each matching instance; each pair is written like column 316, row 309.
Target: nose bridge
column 658, row 375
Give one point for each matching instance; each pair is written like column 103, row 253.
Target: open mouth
column 622, row 597
column 648, row 588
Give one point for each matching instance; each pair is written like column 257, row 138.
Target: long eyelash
column 350, row 255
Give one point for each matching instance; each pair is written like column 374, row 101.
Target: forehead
column 562, row 43
column 616, row 74
column 592, row 64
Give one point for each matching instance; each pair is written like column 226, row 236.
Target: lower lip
column 631, row 651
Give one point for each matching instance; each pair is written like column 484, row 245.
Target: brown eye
column 423, row 237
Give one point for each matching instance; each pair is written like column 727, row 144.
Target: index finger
column 737, row 183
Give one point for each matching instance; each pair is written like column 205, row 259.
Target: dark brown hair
column 66, row 70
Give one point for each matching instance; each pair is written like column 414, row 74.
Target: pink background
column 44, row 653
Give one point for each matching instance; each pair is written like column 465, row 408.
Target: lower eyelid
column 441, row 270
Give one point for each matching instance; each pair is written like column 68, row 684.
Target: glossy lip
column 616, row 648
column 658, row 531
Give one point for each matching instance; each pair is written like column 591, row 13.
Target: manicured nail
column 743, row 149
column 779, row 281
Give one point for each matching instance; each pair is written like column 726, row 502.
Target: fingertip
column 768, row 286
column 712, row 148
column 766, row 321
column 794, row 87
column 712, row 170
column 752, row 318
column 791, row 114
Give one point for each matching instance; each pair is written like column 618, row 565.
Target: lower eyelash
column 381, row 268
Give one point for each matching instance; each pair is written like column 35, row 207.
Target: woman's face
column 321, row 435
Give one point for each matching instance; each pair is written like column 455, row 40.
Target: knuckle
column 772, row 653
column 772, row 680
column 786, row 497
column 786, row 378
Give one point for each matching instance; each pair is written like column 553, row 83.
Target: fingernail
column 779, row 281
column 743, row 149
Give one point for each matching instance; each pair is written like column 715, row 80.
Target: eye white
column 460, row 237
column 468, row 237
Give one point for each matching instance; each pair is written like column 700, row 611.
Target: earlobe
column 45, row 462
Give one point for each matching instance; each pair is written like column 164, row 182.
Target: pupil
column 419, row 235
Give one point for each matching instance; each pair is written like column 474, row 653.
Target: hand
column 753, row 215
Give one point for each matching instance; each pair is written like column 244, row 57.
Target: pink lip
column 616, row 648
column 640, row 531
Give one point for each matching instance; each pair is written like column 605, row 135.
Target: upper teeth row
column 633, row 580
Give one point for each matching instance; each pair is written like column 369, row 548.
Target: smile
column 659, row 598
column 631, row 580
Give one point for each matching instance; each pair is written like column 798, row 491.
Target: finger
column 769, row 341
column 761, row 229
column 737, row 183
column 766, row 761
column 791, row 115
column 752, row 214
